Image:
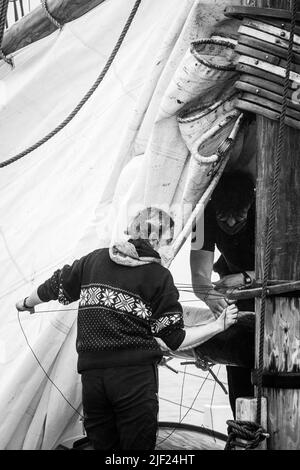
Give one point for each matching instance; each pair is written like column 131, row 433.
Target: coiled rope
column 86, row 96
column 253, row 432
column 247, row 430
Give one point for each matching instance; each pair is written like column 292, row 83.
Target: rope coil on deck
column 50, row 16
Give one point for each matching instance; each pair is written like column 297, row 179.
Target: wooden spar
column 282, row 317
column 36, row 25
column 246, row 409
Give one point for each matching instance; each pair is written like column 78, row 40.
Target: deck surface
column 180, row 439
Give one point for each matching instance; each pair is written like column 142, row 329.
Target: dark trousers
column 239, row 378
column 120, row 406
column 239, row 384
column 234, row 346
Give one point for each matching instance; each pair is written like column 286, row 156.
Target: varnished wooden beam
column 36, row 25
column 282, row 314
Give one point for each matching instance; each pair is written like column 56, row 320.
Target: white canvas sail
column 56, row 204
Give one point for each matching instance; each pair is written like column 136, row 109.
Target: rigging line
column 22, row 7
column 16, row 287
column 271, row 220
column 3, row 23
column 201, row 377
column 78, row 413
column 178, row 404
column 189, row 409
column 84, row 99
column 49, row 15
column 45, row 372
column 13, row 260
column 211, row 402
column 182, row 392
column 3, row 15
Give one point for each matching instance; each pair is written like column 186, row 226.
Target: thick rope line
column 49, row 15
column 3, row 16
column 84, row 99
column 270, row 223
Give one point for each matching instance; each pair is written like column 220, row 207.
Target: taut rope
column 86, row 96
column 50, row 16
column 3, row 15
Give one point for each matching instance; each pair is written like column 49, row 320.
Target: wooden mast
column 282, row 317
column 36, row 25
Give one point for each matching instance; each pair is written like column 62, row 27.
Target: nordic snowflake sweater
column 121, row 309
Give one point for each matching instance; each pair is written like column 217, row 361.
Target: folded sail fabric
column 198, row 119
column 213, row 127
column 205, row 70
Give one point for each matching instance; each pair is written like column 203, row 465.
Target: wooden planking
column 181, row 439
column 282, row 318
column 36, row 25
column 284, row 420
column 282, row 314
column 282, row 335
column 246, row 409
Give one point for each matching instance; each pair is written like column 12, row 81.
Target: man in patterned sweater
column 126, row 299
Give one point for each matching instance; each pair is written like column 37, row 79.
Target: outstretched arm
column 64, row 285
column 201, row 262
column 196, row 335
column 29, row 302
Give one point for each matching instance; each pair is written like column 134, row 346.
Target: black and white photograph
column 149, row 228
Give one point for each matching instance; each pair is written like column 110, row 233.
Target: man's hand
column 22, row 308
column 228, row 317
column 217, row 302
column 231, row 280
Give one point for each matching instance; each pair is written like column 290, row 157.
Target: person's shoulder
column 98, row 253
column 161, row 273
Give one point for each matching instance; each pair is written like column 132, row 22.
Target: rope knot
column 247, row 430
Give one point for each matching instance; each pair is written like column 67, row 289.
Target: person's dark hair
column 235, row 190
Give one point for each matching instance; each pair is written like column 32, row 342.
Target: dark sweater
column 121, row 309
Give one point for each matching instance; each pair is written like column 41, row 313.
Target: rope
column 49, row 15
column 247, row 430
column 270, row 223
column 85, row 98
column 3, row 15
column 43, row 369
